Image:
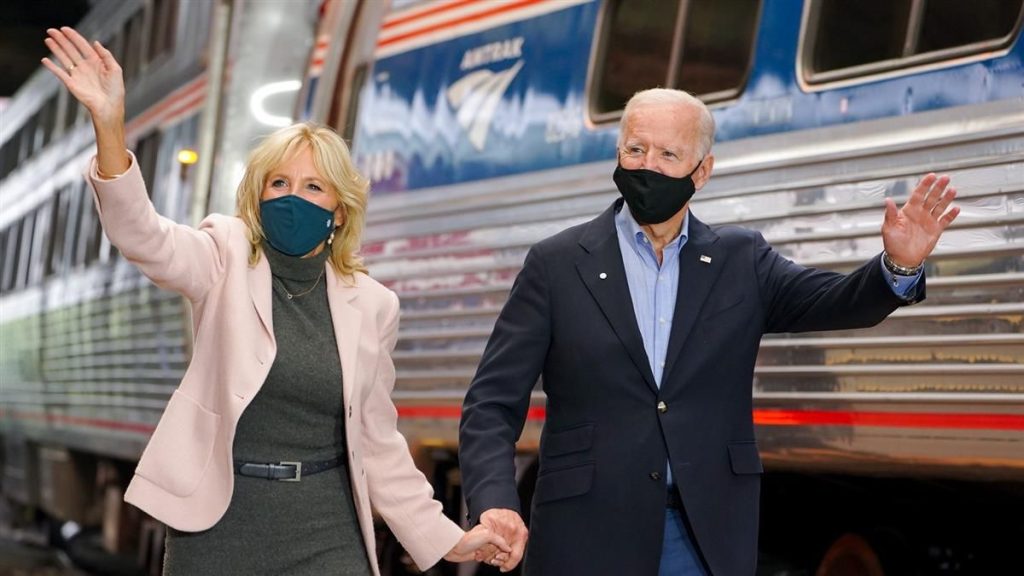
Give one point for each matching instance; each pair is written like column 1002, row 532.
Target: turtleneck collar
column 295, row 267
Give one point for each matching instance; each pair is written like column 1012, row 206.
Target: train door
column 338, row 67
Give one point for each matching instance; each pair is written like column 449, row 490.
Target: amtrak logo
column 475, row 97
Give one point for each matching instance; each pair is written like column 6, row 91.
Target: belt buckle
column 298, row 471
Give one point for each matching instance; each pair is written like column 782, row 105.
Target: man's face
column 661, row 137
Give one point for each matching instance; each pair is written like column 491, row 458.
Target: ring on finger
column 72, row 67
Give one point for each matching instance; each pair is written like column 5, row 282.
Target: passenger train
column 487, row 125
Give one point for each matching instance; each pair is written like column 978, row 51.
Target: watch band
column 900, row 270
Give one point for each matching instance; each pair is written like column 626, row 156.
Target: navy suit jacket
column 599, row 502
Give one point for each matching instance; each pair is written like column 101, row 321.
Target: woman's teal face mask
column 295, row 226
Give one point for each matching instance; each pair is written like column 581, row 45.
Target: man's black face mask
column 653, row 197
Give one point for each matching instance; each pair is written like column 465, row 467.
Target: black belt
column 674, row 501
column 286, row 471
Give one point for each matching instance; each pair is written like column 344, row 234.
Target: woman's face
column 299, row 175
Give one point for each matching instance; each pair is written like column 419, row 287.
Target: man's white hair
column 659, row 96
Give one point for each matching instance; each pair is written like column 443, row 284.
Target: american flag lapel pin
column 705, row 258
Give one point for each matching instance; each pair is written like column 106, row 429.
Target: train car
column 487, row 125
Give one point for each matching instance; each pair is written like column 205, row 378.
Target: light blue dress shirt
column 653, row 286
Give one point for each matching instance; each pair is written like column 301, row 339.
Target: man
column 644, row 325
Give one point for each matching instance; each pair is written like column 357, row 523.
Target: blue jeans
column 678, row 555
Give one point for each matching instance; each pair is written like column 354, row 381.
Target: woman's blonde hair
column 333, row 162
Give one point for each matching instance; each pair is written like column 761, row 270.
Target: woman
column 282, row 432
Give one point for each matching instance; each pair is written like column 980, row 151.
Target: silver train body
column 90, row 350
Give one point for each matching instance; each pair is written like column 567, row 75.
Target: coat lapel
column 603, row 273
column 347, row 320
column 700, row 262
column 260, row 292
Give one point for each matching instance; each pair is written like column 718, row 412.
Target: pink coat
column 185, row 476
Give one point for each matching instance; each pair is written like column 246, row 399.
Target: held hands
column 475, row 542
column 909, row 234
column 89, row 71
column 509, row 525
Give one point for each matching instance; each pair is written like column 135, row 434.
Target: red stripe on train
column 762, row 417
column 391, row 23
column 775, row 417
column 961, row 421
column 456, row 21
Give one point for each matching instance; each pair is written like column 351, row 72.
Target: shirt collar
column 630, row 228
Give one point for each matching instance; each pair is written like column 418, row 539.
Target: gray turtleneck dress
column 293, row 528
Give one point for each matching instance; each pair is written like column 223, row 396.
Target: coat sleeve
column 174, row 256
column 398, row 490
column 800, row 299
column 498, row 399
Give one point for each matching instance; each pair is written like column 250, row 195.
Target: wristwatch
column 897, row 269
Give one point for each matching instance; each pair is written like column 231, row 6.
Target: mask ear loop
column 694, row 171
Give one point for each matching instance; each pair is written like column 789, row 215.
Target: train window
column 11, row 251
column 637, row 47
column 848, row 39
column 359, row 38
column 133, row 46
column 70, row 110
column 47, row 120
column 853, row 33
column 24, row 252
column 89, row 237
column 161, row 37
column 951, row 23
column 7, row 160
column 3, row 255
column 116, row 46
column 40, row 243
column 76, row 202
column 27, row 135
column 58, row 224
column 352, row 110
column 146, row 153
column 701, row 46
column 717, row 47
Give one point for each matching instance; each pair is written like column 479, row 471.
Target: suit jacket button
column 655, row 475
column 662, row 407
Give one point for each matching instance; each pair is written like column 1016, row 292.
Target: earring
column 330, row 239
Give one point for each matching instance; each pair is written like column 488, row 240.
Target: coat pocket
column 744, row 458
column 181, row 448
column 575, row 439
column 563, row 483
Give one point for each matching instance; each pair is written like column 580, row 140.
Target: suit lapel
column 347, row 320
column 602, row 271
column 700, row 262
column 260, row 292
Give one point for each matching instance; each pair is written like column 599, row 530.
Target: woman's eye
column 277, row 183
column 315, row 188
